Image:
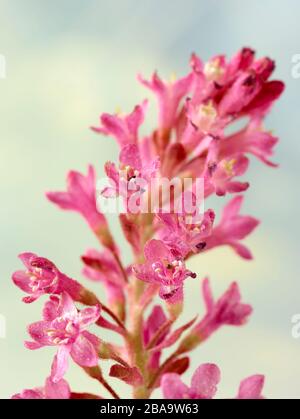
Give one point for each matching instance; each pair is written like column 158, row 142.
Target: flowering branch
column 192, row 153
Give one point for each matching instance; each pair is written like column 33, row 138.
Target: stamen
column 213, row 69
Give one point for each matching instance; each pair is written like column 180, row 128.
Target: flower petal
column 21, row 280
column 89, row 316
column 251, row 387
column 173, row 388
column 205, row 380
column 39, row 332
column 83, row 352
column 26, row 257
column 60, row 363
column 57, row 390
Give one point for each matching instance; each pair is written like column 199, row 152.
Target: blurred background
column 69, row 60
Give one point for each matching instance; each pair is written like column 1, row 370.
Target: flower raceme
column 195, row 139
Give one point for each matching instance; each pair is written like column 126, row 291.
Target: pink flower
column 132, row 177
column 186, row 236
column 248, row 86
column 81, row 197
column 165, row 268
column 232, row 229
column 227, row 310
column 220, row 176
column 238, row 87
column 64, row 326
column 251, row 387
column 203, row 384
column 42, row 277
column 102, row 267
column 225, row 92
column 252, row 140
column 169, row 96
column 123, row 127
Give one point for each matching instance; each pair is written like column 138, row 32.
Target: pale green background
column 69, row 60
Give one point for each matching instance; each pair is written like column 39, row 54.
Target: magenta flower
column 164, row 268
column 64, row 326
column 251, row 90
column 132, row 176
column 232, row 89
column 203, row 384
column 42, row 277
column 169, row 96
column 81, row 197
column 123, row 127
column 227, row 310
column 220, row 176
column 253, row 140
column 233, row 228
column 187, row 234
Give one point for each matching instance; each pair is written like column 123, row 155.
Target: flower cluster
column 195, row 138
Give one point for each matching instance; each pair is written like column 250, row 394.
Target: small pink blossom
column 227, row 310
column 42, row 277
column 81, row 197
column 186, row 235
column 64, row 326
column 224, row 92
column 164, row 268
column 203, row 384
column 253, row 140
column 132, row 176
column 123, row 127
column 233, row 228
column 169, row 96
column 220, row 176
column 246, row 87
column 237, row 87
